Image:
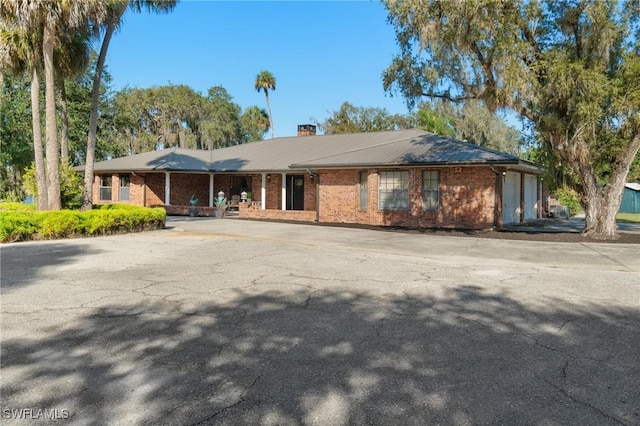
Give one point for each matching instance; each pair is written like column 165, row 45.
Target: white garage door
column 530, row 197
column 511, row 198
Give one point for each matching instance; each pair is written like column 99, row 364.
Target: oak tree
column 570, row 67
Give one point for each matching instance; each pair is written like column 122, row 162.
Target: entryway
column 295, row 192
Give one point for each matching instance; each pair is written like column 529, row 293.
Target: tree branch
column 447, row 96
column 526, row 112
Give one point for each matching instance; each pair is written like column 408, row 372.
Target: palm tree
column 71, row 59
column 114, row 18
column 265, row 81
column 51, row 19
column 19, row 52
column 56, row 18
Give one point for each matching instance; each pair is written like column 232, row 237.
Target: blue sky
column 321, row 53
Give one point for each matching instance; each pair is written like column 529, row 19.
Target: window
column 364, row 193
column 430, row 190
column 125, row 183
column 394, row 191
column 105, row 188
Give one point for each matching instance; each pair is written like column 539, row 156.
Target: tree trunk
column 182, row 137
column 87, row 193
column 602, row 208
column 266, row 94
column 64, row 122
column 600, row 217
column 593, row 207
column 41, row 179
column 53, row 158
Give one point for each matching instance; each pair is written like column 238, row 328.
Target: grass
column 628, row 217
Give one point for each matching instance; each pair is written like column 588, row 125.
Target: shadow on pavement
column 328, row 357
column 21, row 263
column 572, row 225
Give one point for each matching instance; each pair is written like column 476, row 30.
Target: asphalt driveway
column 238, row 322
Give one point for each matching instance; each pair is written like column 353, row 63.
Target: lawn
column 628, row 217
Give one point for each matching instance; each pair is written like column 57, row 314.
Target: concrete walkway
column 241, row 322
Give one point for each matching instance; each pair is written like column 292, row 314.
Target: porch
column 277, row 196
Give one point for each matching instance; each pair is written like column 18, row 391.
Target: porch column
column 210, row 189
column 283, row 191
column 522, row 203
column 263, row 192
column 167, row 188
column 540, row 203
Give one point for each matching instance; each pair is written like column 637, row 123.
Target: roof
column 633, row 185
column 379, row 149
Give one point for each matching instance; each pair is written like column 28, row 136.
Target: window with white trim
column 393, row 190
column 364, row 190
column 430, row 190
column 105, row 188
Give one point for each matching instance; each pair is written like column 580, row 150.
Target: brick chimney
column 306, row 130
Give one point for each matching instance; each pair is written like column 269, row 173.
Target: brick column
column 211, row 190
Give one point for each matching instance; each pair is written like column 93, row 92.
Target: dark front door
column 295, row 192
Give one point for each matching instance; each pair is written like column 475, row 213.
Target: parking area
column 241, row 322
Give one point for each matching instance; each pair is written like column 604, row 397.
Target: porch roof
column 379, row 149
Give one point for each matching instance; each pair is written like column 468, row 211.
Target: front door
column 295, row 192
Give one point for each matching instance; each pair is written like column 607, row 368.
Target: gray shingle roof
column 391, row 148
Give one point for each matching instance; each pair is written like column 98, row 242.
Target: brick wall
column 273, row 192
column 467, row 196
column 309, row 193
column 339, row 196
column 247, row 212
column 466, row 199
column 190, row 211
column 136, row 189
column 184, row 186
column 154, row 189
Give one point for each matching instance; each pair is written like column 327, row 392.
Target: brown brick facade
column 467, row 199
column 467, row 196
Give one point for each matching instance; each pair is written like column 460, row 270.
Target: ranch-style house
column 406, row 178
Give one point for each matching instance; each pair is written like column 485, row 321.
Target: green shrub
column 569, row 197
column 60, row 224
column 129, row 207
column 70, row 185
column 19, row 225
column 17, row 207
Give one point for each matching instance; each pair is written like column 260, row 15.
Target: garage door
column 511, row 198
column 530, row 197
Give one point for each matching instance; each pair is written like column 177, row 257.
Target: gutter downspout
column 316, row 177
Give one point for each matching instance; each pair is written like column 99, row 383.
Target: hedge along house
column 396, row 178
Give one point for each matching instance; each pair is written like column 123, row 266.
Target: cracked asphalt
column 239, row 322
